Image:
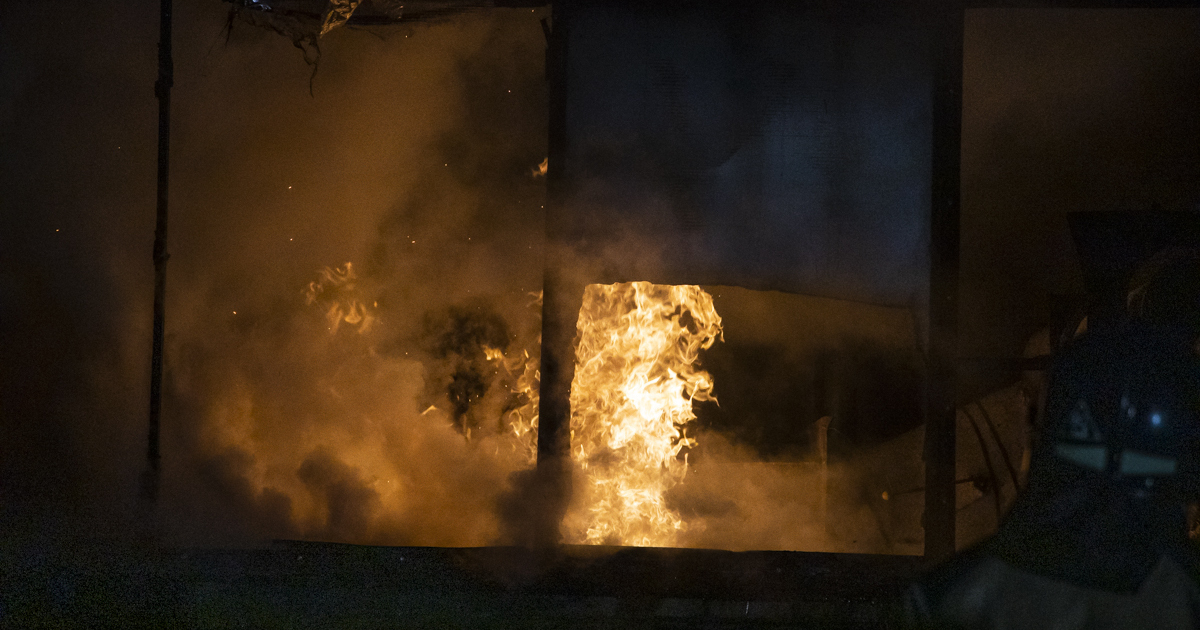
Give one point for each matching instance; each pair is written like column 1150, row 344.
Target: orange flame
column 524, row 370
column 635, row 380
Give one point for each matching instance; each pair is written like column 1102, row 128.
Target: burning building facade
column 770, row 194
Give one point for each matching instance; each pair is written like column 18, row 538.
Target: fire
column 335, row 291
column 524, row 380
column 335, row 440
column 635, row 380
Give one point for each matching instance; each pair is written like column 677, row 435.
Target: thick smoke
column 371, row 414
column 304, row 397
column 412, row 160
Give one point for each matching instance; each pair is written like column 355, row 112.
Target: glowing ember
column 635, row 380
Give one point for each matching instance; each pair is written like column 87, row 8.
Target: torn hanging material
column 327, row 15
column 305, row 21
column 337, row 13
column 287, row 19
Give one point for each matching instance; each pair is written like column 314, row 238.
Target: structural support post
column 940, row 424
column 561, row 298
column 162, row 90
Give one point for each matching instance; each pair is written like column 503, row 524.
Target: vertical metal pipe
column 162, row 90
column 940, row 425
column 560, row 303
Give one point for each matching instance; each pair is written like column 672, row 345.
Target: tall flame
column 635, row 380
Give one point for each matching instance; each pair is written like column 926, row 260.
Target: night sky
column 414, row 140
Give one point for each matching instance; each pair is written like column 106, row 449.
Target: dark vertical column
column 162, row 90
column 561, row 298
column 940, row 436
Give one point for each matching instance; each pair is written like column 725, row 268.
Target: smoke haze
column 412, row 160
column 283, row 415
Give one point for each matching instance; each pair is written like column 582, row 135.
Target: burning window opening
column 635, row 380
column 817, row 442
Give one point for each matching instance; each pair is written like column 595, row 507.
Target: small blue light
column 1156, row 419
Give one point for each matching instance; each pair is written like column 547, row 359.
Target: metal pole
column 560, row 304
column 941, row 418
column 162, row 90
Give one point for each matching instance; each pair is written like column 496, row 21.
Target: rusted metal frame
column 940, row 425
column 162, row 90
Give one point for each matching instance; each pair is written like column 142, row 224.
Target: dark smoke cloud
column 458, row 338
column 347, row 499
